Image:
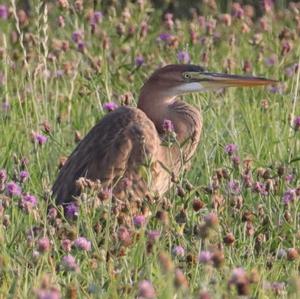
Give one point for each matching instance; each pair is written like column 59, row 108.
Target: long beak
column 218, row 80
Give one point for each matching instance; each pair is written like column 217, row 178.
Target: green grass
column 73, row 102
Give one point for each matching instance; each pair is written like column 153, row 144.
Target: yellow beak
column 217, row 80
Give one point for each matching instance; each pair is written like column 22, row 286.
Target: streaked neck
column 156, row 105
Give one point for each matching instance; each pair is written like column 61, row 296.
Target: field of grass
column 231, row 225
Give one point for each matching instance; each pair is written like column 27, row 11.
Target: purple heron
column 125, row 149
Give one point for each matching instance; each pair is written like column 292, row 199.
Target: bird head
column 179, row 79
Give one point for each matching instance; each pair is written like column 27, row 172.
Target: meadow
column 229, row 227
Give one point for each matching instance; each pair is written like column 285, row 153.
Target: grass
column 49, row 86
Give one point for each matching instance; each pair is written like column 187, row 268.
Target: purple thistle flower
column 3, row 12
column 230, row 149
column 289, row 71
column 238, row 272
column 165, row 37
column 96, row 18
column 296, row 123
column 124, row 235
column 139, row 60
column 69, row 263
column 240, row 13
column 29, row 199
column 277, row 88
column 289, row 196
column 178, row 251
column 205, row 257
column 81, row 46
column 247, row 180
column 3, row 175
column 153, row 235
column 168, row 126
column 268, row 5
column 59, row 73
column 146, row 290
column 77, row 36
column 110, row 106
column 83, row 244
column 39, row 138
column 237, row 275
column 260, row 188
column 139, row 221
column 71, row 210
column 270, row 61
column 13, row 189
column 23, row 175
column 289, row 178
column 183, row 57
column 52, row 293
column 43, row 245
column 234, row 187
column 237, row 11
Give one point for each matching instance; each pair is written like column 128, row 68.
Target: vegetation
column 228, row 227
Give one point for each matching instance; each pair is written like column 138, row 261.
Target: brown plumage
column 127, row 144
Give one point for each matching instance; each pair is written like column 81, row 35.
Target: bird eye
column 186, row 76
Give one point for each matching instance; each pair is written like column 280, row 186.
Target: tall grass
column 55, row 87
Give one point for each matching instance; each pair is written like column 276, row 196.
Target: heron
column 127, row 148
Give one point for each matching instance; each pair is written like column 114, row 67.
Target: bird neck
column 155, row 105
column 159, row 106
column 186, row 121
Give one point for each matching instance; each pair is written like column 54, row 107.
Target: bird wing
column 115, row 147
